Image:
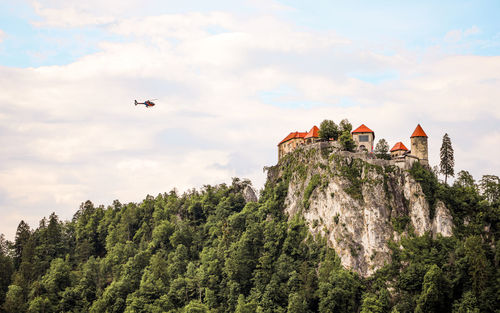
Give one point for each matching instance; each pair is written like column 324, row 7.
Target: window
column 363, row 138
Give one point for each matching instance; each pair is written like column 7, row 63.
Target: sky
column 232, row 79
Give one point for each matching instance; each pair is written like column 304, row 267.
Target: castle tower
column 363, row 137
column 419, row 146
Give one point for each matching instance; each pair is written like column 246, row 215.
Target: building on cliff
column 364, row 138
column 398, row 150
column 312, row 136
column 419, row 149
column 290, row 143
column 296, row 139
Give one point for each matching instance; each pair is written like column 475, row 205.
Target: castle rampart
column 364, row 138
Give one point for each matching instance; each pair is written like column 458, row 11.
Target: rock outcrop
column 358, row 202
column 249, row 194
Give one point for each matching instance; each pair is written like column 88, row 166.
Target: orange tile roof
column 419, row 132
column 313, row 133
column 362, row 129
column 399, row 146
column 293, row 135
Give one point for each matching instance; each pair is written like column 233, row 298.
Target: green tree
column 195, row 306
column 23, row 234
column 467, row 304
column 465, row 180
column 447, row 160
column 345, row 126
column 297, row 303
column 88, row 235
column 477, row 263
column 40, row 305
column 433, row 296
column 46, row 292
column 490, row 187
column 15, row 301
column 328, row 129
column 340, row 293
column 6, row 268
column 371, row 304
column 346, row 141
column 244, row 306
column 382, row 150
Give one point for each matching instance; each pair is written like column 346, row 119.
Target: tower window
column 363, row 138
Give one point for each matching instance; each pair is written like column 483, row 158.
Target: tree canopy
column 382, row 149
column 328, row 129
column 209, row 250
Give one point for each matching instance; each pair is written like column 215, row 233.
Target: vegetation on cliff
column 211, row 251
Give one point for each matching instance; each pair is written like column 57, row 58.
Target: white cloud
column 68, row 17
column 457, row 35
column 74, row 133
column 472, row 31
column 2, row 35
column 270, row 5
column 453, row 35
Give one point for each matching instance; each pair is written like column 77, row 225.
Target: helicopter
column 147, row 103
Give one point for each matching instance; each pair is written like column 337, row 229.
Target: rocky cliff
column 357, row 202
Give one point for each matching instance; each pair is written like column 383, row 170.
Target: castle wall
column 289, row 146
column 397, row 153
column 404, row 162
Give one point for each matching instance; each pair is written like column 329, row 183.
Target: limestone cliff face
column 357, row 202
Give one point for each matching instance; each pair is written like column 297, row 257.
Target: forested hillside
column 209, row 250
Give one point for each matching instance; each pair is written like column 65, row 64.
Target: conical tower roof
column 419, row 132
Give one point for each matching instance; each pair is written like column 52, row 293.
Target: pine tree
column 447, row 160
column 23, row 234
column 6, row 267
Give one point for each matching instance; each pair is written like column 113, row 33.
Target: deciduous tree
column 382, row 149
column 328, row 129
column 490, row 187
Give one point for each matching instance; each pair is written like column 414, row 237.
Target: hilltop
column 332, row 231
column 358, row 202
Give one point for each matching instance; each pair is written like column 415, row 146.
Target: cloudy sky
column 232, row 78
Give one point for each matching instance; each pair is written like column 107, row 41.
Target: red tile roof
column 362, row 129
column 419, row 132
column 399, row 146
column 293, row 136
column 313, row 133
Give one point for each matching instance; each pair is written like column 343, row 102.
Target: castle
column 364, row 138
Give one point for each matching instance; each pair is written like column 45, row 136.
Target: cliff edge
column 359, row 203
